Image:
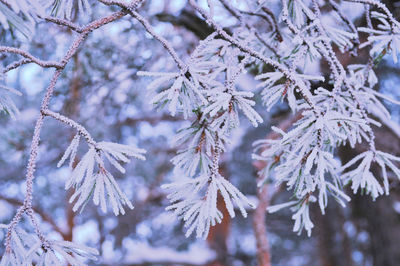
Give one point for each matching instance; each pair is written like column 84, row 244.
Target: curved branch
column 16, row 64
column 46, row 64
column 27, row 204
column 128, row 8
column 82, row 131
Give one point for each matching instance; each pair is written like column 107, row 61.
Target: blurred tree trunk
column 260, row 229
column 72, row 110
column 259, row 220
column 218, row 236
column 333, row 243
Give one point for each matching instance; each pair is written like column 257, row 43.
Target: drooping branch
column 27, row 205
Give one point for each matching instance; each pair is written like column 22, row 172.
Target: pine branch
column 393, row 21
column 242, row 20
column 27, row 206
column 251, row 52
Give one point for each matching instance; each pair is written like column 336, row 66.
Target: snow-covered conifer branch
column 28, row 249
column 88, row 182
column 335, row 110
column 340, row 121
column 205, row 139
column 195, row 200
column 64, row 8
column 381, row 6
column 20, row 15
column 240, row 45
column 230, row 39
column 6, row 103
column 181, row 95
column 385, row 38
column 118, row 152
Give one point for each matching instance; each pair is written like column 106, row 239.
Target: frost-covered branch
column 64, row 22
column 27, row 205
column 146, row 24
column 45, row 217
column 332, row 111
column 82, row 131
column 343, row 119
column 381, row 6
column 254, row 53
column 28, row 56
column 17, row 64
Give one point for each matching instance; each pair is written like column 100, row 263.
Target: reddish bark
column 260, row 229
column 259, row 221
column 217, row 238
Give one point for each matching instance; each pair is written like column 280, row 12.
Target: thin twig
column 392, row 20
column 146, row 24
column 45, row 64
column 82, row 131
column 64, row 22
column 17, row 64
column 239, row 16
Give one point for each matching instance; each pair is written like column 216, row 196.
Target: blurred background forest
column 101, row 90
